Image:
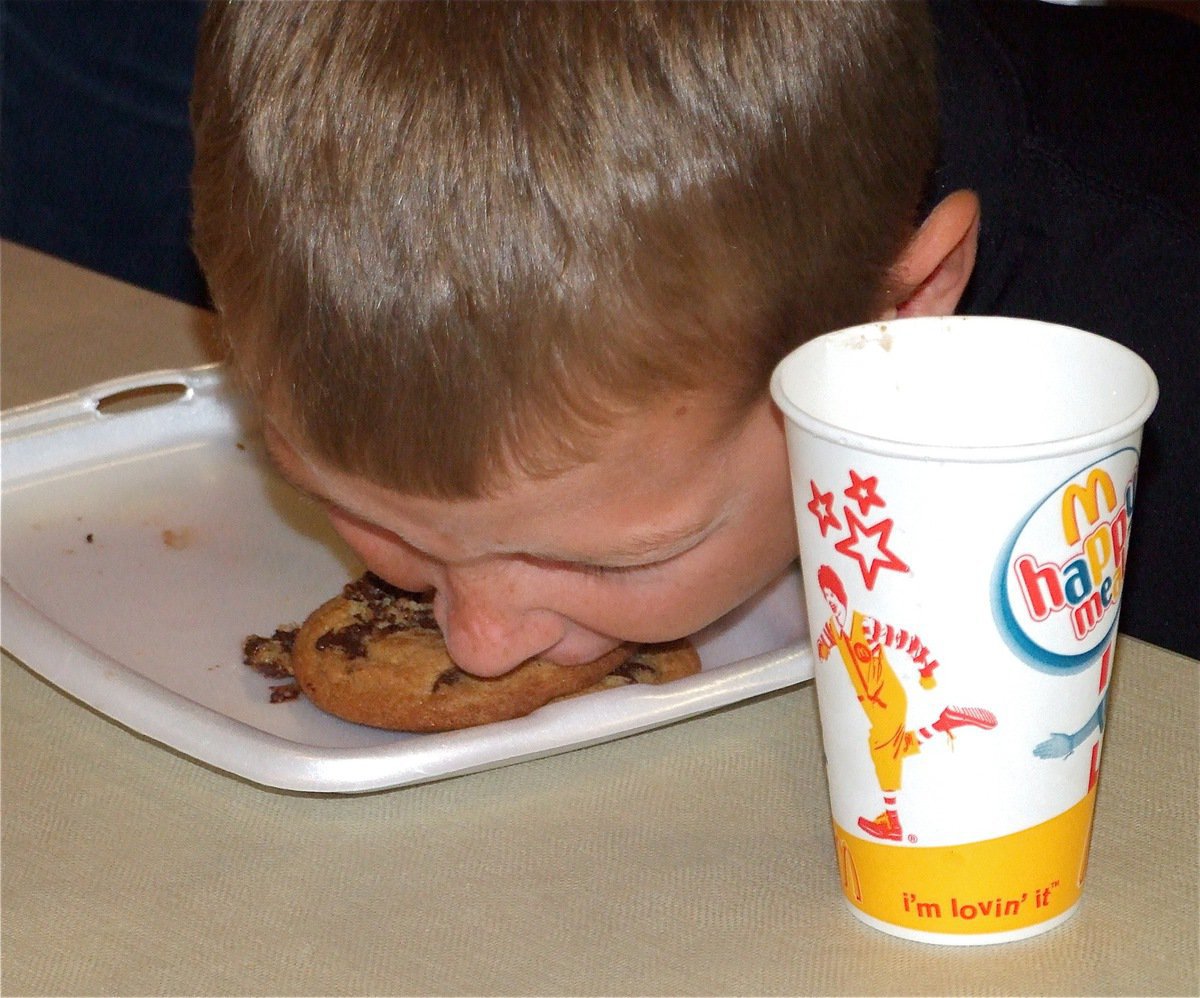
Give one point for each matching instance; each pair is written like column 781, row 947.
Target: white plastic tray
column 141, row 545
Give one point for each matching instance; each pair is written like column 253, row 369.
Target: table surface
column 693, row 859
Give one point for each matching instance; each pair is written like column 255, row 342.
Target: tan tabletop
column 693, row 859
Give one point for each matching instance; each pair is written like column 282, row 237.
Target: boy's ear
column 931, row 273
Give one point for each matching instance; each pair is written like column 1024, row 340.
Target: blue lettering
column 1077, row 584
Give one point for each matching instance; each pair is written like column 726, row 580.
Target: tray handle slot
column 112, row 398
column 140, row 397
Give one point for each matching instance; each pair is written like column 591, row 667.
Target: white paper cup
column 964, row 496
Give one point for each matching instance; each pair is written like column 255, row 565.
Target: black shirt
column 1079, row 127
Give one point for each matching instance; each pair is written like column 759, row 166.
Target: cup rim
column 964, row 453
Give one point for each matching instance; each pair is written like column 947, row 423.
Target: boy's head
column 454, row 240
column 509, row 281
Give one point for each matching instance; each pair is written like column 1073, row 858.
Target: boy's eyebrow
column 284, row 470
column 271, row 441
column 660, row 545
column 295, row 483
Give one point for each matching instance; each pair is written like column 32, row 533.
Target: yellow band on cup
column 1010, row 885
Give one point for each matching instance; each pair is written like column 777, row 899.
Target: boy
column 509, row 282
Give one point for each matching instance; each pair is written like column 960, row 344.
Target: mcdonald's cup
column 964, row 491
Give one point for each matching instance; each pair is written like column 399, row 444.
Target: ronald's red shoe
column 957, row 717
column 886, row 826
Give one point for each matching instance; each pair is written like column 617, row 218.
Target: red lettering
column 1120, row 533
column 1041, row 585
column 1087, row 615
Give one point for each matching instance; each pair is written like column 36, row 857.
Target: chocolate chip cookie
column 374, row 655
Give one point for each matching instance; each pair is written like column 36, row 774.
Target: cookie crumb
column 271, row 656
column 178, row 539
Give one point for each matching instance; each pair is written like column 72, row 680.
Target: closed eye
column 584, row 568
column 599, row 569
column 577, row 567
column 657, row 553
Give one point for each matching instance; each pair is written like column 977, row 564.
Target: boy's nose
column 489, row 634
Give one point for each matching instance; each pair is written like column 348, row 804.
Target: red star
column 868, row 546
column 864, row 491
column 821, row 507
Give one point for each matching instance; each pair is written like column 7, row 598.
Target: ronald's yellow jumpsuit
column 878, row 689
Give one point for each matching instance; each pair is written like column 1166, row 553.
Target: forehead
column 663, row 430
column 668, row 470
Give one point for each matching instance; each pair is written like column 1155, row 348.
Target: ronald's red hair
column 827, row 578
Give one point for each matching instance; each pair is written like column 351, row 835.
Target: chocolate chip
column 350, row 641
column 634, row 671
column 448, row 678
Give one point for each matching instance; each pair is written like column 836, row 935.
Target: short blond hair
column 454, row 240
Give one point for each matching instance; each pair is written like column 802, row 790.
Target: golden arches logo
column 847, row 869
column 1086, row 497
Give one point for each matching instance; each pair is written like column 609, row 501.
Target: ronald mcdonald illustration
column 861, row 641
